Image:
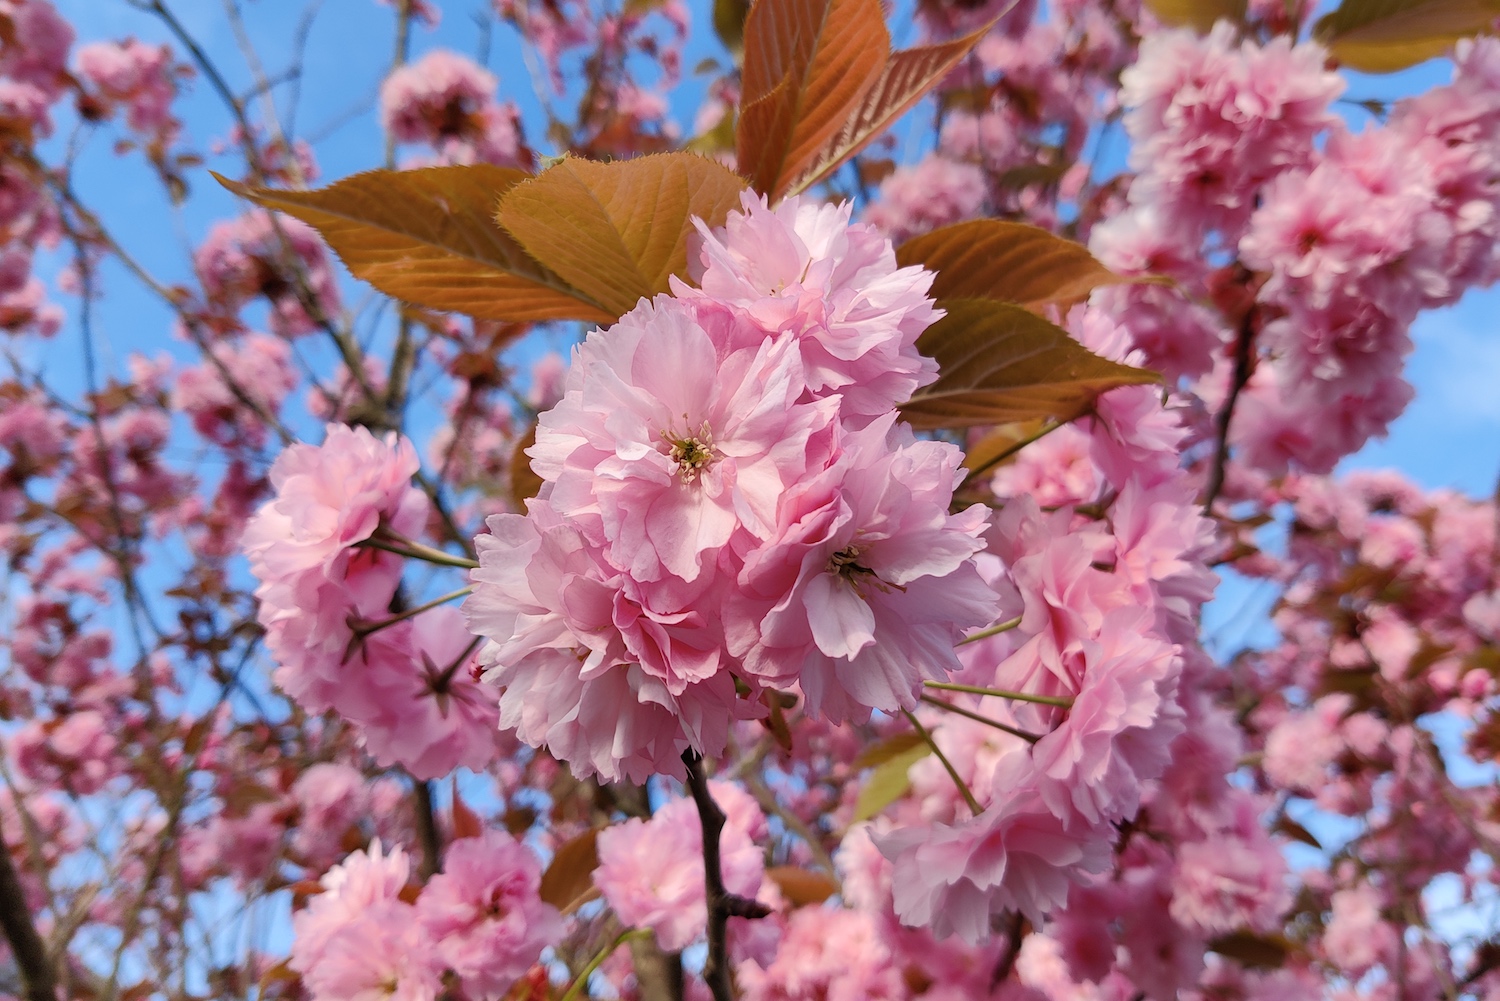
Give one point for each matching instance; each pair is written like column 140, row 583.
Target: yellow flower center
column 691, row 453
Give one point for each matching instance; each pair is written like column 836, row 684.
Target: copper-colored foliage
column 905, row 80
column 570, row 876
column 999, row 363
column 1383, row 36
column 1007, row 262
column 615, row 231
column 808, row 66
column 429, row 237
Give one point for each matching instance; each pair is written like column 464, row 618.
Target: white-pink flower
column 828, row 954
column 361, row 881
column 1115, row 737
column 381, row 954
column 1016, row 855
column 483, row 915
column 651, row 871
column 802, row 269
column 666, row 442
column 417, row 703
column 867, row 581
column 330, row 497
column 303, row 543
column 549, row 607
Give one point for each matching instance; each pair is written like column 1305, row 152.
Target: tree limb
column 38, row 978
column 722, row 905
column 1244, row 357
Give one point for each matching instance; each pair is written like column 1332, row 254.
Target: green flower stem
column 366, row 629
column 958, row 710
column 417, row 551
column 952, row 772
column 575, row 989
column 1000, row 693
column 995, row 630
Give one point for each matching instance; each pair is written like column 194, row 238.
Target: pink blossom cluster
column 1213, row 119
column 739, row 549
column 937, row 191
column 1344, row 237
column 33, row 78
column 946, row 18
column 651, row 871
column 631, row 117
column 827, row 953
column 480, row 920
column 1104, row 607
column 33, row 62
column 729, row 500
column 278, row 819
column 261, row 367
column 1046, row 81
column 140, row 77
column 1104, row 590
column 271, row 257
column 1380, row 225
column 326, row 602
column 1343, row 705
column 448, row 102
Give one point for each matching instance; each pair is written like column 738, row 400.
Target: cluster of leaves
column 1373, row 36
column 585, row 240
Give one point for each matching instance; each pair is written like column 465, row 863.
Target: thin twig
column 299, row 59
column 348, row 349
column 722, row 905
column 1000, row 693
column 958, row 779
column 995, row 630
column 417, row 551
column 362, row 629
column 768, row 802
column 575, row 990
column 1025, row 735
column 122, row 550
column 398, row 59
column 98, row 234
column 1243, row 357
column 1014, row 447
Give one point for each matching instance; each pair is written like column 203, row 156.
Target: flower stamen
column 845, row 563
column 691, row 453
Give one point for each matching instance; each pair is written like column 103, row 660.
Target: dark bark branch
column 722, row 905
column 427, row 831
column 658, row 974
column 1243, row 366
column 1015, row 934
column 38, row 978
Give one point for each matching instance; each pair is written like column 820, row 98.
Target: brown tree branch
column 1015, row 933
column 658, row 974
column 38, row 977
column 722, row 905
column 1244, row 357
column 427, row 831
